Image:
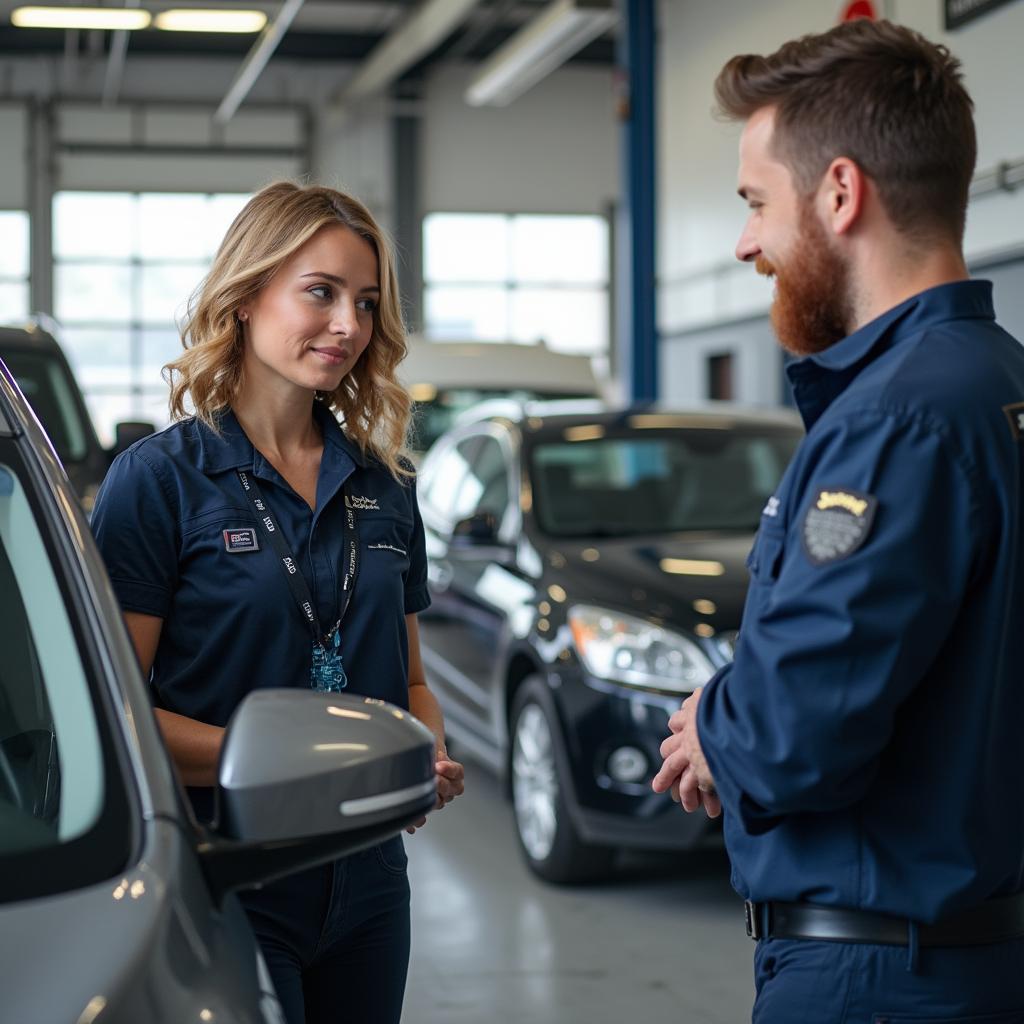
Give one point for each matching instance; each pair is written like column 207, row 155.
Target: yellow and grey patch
column 837, row 523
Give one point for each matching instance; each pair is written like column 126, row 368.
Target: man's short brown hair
column 875, row 92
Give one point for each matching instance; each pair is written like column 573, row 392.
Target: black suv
column 44, row 376
column 587, row 572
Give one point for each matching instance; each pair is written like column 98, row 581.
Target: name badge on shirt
column 241, row 539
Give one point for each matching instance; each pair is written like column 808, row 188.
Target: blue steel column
column 636, row 331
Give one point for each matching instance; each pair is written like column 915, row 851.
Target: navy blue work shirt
column 231, row 624
column 867, row 741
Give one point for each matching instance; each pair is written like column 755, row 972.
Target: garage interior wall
column 708, row 303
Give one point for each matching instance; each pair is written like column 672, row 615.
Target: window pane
column 48, row 731
column 95, row 352
column 94, row 224
column 465, row 247
column 555, row 250
column 565, row 319
column 96, row 292
column 173, row 226
column 13, row 243
column 165, row 290
column 13, row 301
column 467, row 314
column 159, row 346
column 221, row 211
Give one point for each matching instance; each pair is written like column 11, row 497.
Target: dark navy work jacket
column 231, row 624
column 868, row 740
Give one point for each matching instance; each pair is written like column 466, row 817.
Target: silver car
column 115, row 906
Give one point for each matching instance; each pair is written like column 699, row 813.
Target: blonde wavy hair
column 273, row 225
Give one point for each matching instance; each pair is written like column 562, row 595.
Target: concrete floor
column 661, row 941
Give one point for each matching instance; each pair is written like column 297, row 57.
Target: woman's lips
column 331, row 356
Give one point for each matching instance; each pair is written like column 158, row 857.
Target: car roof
column 541, row 419
column 30, row 338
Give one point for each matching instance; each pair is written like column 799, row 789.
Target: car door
column 464, row 632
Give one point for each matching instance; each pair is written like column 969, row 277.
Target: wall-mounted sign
column 959, row 12
column 858, row 9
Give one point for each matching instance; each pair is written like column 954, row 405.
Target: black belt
column 997, row 920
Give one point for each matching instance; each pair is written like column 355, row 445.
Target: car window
column 444, row 476
column 485, row 487
column 693, row 479
column 45, row 382
column 61, row 817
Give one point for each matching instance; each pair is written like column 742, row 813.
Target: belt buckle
column 752, row 913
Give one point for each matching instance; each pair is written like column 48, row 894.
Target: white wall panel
column 554, row 150
column 14, row 157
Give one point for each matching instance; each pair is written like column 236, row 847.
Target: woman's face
column 313, row 320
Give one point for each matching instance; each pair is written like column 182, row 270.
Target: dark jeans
column 805, row 982
column 336, row 938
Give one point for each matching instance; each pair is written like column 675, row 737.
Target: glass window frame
column 513, row 284
column 24, row 279
column 112, row 842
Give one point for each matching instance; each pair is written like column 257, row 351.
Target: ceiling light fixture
column 197, row 19
column 538, row 48
column 111, row 18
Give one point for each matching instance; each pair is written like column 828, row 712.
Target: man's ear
column 843, row 192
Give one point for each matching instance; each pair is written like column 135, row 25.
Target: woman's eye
column 367, row 305
column 321, row 291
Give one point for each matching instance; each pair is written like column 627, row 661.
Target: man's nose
column 747, row 248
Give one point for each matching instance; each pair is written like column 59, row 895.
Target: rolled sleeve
column 136, row 531
column 417, row 594
column 829, row 651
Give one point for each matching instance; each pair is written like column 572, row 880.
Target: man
column 866, row 744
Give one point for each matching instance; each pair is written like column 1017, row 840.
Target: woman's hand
column 450, row 777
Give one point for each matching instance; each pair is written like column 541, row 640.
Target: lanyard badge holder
column 326, row 670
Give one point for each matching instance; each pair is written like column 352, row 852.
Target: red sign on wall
column 858, row 9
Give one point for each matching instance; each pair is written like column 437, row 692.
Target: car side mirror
column 305, row 777
column 128, row 432
column 478, row 530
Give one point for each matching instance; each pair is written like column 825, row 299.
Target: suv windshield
column 44, row 381
column 432, row 417
column 62, row 816
column 687, row 479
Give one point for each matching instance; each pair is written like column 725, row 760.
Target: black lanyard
column 296, row 581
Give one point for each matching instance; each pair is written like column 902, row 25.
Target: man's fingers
column 672, row 768
column 712, row 805
column 690, row 795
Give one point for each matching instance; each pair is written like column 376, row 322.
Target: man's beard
column 812, row 307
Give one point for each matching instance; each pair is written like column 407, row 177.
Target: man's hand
column 684, row 770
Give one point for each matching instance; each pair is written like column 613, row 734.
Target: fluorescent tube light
column 112, row 18
column 197, row 19
column 538, row 48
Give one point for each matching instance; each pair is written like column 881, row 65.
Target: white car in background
column 445, row 378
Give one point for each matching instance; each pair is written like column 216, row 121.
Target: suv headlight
column 633, row 652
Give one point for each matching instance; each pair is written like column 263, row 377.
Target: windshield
column 433, row 417
column 45, row 382
column 688, row 479
column 62, row 822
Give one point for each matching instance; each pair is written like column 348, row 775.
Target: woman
column 297, row 320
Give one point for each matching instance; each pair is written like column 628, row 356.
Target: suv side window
column 485, row 488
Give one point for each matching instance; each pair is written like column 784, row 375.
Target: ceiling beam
column 256, row 60
column 431, row 23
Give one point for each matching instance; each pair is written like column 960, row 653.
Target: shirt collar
column 819, row 379
column 229, row 448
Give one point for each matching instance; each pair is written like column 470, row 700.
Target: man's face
column 786, row 240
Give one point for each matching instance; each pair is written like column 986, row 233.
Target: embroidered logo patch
column 362, row 504
column 1015, row 414
column 837, row 523
column 771, row 510
column 243, row 538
